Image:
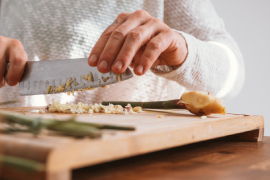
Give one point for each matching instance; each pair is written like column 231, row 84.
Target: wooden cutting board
column 61, row 154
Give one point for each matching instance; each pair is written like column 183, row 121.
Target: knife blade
column 39, row 75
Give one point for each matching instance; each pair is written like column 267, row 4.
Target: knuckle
column 20, row 60
column 122, row 15
column 170, row 34
column 156, row 21
column 107, row 54
column 140, row 12
column 154, row 45
column 107, row 33
column 118, row 35
column 148, row 59
column 16, row 43
column 125, row 57
column 134, row 36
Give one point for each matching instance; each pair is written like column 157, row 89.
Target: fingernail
column 93, row 59
column 118, row 65
column 11, row 83
column 139, row 69
column 103, row 64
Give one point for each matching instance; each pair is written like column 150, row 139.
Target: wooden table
column 214, row 159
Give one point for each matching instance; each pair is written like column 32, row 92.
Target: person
column 172, row 45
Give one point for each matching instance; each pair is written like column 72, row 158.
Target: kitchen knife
column 39, row 75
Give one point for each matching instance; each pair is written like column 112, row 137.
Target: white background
column 248, row 21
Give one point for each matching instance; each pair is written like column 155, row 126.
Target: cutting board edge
column 246, row 126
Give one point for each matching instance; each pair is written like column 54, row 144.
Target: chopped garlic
column 138, row 109
column 106, row 79
column 69, row 82
column 41, row 111
column 90, row 111
column 118, row 77
column 160, row 116
column 203, row 117
column 59, row 89
column 48, row 89
column 89, row 108
column 90, row 77
column 72, row 92
column 129, row 109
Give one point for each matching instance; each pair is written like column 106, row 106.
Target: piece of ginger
column 202, row 103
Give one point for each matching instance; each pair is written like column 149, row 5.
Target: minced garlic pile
column 90, row 108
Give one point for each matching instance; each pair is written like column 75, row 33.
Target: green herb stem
column 21, row 164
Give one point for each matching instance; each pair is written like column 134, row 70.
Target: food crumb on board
column 203, row 117
column 25, row 113
column 106, row 86
column 41, row 111
column 76, row 83
column 138, row 109
column 160, row 116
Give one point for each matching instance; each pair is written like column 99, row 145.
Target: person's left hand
column 138, row 40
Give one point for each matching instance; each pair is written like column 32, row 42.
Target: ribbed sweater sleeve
column 214, row 62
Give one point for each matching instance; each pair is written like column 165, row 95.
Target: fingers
column 154, row 48
column 136, row 40
column 2, row 61
column 133, row 41
column 2, row 72
column 115, row 44
column 100, row 44
column 137, row 56
column 17, row 60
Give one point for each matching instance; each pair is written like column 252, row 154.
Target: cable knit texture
column 69, row 29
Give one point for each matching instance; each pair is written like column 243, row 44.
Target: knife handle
column 170, row 104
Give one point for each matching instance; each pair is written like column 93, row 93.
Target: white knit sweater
column 69, row 29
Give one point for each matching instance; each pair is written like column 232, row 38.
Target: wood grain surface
column 61, row 153
column 219, row 159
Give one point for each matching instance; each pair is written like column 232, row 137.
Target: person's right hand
column 12, row 51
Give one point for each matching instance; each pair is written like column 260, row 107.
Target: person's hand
column 12, row 51
column 139, row 40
